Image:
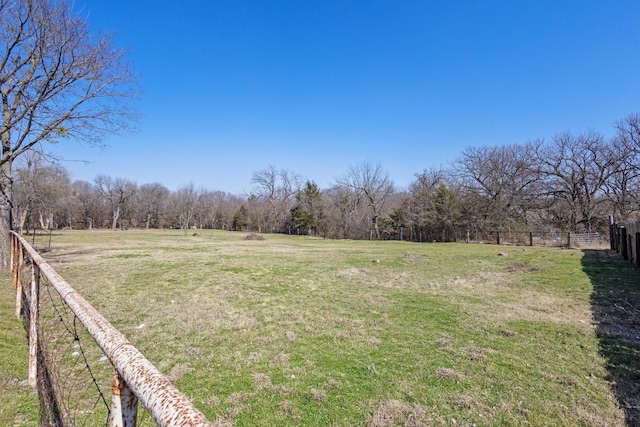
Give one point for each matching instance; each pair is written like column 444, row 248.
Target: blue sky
column 231, row 87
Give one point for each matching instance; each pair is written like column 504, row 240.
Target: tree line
column 570, row 183
column 59, row 82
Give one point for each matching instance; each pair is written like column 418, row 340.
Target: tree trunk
column 6, row 195
column 22, row 218
column 116, row 216
column 50, row 224
column 376, row 229
column 43, row 225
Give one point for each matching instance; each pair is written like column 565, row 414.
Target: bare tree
column 57, row 81
column 116, row 193
column 344, row 213
column 86, row 198
column 278, row 188
column 149, row 201
column 499, row 181
column 184, row 205
column 623, row 186
column 370, row 180
column 575, row 170
column 41, row 190
column 628, row 131
column 217, row 209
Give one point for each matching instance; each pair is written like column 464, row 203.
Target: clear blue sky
column 231, row 87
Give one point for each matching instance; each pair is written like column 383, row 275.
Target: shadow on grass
column 615, row 302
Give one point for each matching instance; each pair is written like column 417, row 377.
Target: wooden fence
column 68, row 369
column 625, row 239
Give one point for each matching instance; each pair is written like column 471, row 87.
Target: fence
column 625, row 239
column 40, row 239
column 78, row 360
column 510, row 237
column 538, row 238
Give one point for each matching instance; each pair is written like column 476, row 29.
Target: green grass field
column 301, row 331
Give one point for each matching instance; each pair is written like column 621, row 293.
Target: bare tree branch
column 57, row 81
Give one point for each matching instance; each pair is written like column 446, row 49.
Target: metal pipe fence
column 86, row 372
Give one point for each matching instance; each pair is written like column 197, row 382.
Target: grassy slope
column 298, row 331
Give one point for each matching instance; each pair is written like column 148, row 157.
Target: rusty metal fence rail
column 85, row 371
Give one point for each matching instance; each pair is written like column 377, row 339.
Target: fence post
column 17, row 284
column 124, row 404
column 13, row 259
column 623, row 243
column 612, row 223
column 34, row 302
column 530, row 238
column 497, row 237
column 569, row 240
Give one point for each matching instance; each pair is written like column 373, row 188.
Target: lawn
column 292, row 330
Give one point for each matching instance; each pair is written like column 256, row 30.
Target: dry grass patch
column 373, row 341
column 291, row 336
column 476, row 354
column 222, row 422
column 443, row 343
column 448, row 374
column 319, row 396
column 501, row 296
column 591, row 418
column 397, row 413
column 178, row 371
column 281, row 358
column 538, row 306
column 262, row 382
column 517, row 267
column 289, row 409
column 463, row 401
column 331, row 383
column 236, row 402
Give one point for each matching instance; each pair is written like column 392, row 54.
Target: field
column 292, row 330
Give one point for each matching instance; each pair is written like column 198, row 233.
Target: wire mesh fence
column 588, row 240
column 73, row 375
column 38, row 238
column 73, row 352
column 514, row 237
column 540, row 238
